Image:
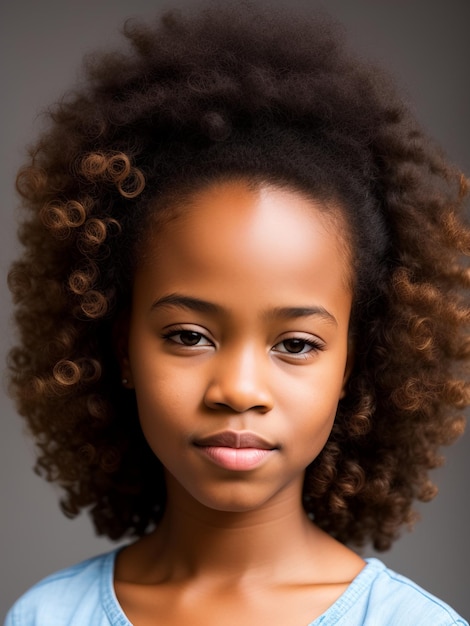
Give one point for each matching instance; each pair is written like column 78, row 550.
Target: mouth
column 235, row 450
column 235, row 439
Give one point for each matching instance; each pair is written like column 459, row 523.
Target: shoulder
column 385, row 597
column 77, row 595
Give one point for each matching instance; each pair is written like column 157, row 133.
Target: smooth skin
column 239, row 325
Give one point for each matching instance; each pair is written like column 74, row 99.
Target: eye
column 189, row 338
column 298, row 346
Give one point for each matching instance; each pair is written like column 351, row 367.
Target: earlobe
column 120, row 344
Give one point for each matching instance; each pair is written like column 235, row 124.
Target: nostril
column 218, row 398
column 239, row 383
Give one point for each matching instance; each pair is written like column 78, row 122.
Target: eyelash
column 314, row 345
column 175, row 332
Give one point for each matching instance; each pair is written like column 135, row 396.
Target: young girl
column 243, row 328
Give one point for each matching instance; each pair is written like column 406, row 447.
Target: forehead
column 262, row 245
column 246, row 212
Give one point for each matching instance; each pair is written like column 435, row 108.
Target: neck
column 275, row 542
column 192, row 539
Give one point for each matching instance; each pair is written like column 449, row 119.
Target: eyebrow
column 186, row 302
column 295, row 312
column 203, row 306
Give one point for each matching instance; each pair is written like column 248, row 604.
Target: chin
column 231, row 504
column 239, row 499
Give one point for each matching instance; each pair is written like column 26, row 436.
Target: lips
column 235, row 439
column 235, row 451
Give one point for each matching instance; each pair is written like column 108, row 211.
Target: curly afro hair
column 230, row 93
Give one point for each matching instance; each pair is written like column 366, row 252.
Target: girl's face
column 237, row 342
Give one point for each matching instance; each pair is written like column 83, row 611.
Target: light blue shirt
column 83, row 595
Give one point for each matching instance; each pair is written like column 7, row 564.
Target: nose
column 239, row 382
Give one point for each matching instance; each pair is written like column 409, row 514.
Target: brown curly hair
column 220, row 94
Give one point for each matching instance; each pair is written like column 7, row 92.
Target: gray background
column 424, row 42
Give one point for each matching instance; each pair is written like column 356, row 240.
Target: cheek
column 310, row 403
column 315, row 420
column 165, row 401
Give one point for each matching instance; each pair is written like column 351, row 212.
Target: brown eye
column 187, row 337
column 295, row 345
column 299, row 346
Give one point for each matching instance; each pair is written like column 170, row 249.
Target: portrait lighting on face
column 243, row 326
column 238, row 341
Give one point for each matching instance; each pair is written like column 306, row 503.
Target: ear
column 120, row 344
column 348, row 367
